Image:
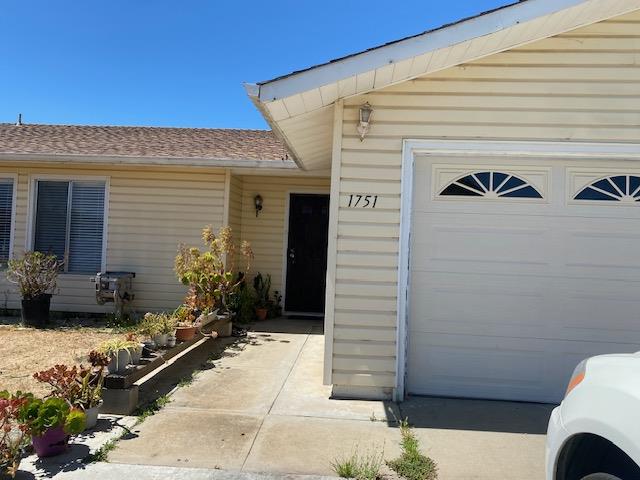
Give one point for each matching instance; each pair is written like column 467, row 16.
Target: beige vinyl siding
column 235, row 206
column 151, row 210
column 267, row 232
column 580, row 86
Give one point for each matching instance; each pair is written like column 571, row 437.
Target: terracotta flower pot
column 184, row 334
column 261, row 313
column 52, row 442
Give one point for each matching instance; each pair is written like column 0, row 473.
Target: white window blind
column 6, row 212
column 70, row 223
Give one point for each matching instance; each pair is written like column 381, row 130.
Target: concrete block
column 120, row 401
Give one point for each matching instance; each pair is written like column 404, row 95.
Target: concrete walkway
column 263, row 408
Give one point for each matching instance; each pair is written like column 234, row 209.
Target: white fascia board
column 150, row 161
column 254, row 91
column 515, row 148
column 431, row 41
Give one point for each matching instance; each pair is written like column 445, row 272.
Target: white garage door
column 520, row 268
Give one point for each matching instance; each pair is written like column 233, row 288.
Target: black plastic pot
column 35, row 311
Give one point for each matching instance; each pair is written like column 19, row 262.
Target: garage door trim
column 412, row 147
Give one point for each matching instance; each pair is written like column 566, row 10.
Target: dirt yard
column 24, row 351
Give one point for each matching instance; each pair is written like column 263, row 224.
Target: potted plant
column 50, row 423
column 275, row 306
column 186, row 325
column 90, row 398
column 36, row 275
column 13, row 436
column 243, row 304
column 80, row 387
column 210, row 273
column 262, row 286
column 119, row 353
column 149, row 328
column 136, row 353
column 165, row 326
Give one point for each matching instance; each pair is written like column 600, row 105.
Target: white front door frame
column 518, row 149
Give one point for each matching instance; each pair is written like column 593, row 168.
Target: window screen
column 6, row 212
column 70, row 223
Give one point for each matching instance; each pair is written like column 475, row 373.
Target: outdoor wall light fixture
column 257, row 200
column 366, row 112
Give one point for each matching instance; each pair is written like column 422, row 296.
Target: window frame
column 443, row 175
column 14, row 198
column 33, row 200
column 579, row 178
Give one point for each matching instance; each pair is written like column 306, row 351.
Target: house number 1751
column 363, row 201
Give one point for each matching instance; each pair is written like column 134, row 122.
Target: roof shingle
column 141, row 142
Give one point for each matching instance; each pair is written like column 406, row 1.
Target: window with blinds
column 69, row 223
column 6, row 214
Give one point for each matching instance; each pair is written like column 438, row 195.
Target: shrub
column 35, row 274
column 210, row 274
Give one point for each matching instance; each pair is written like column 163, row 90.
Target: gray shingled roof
column 141, row 142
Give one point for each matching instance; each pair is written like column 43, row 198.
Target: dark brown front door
column 307, row 253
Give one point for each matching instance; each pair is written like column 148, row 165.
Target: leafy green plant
column 243, row 303
column 149, row 326
column 210, row 273
column 262, row 287
column 110, row 348
column 38, row 416
column 184, row 316
column 360, row 467
column 275, row 305
column 412, row 464
column 168, row 324
column 13, row 436
column 35, row 273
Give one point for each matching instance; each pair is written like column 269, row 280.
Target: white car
column 595, row 432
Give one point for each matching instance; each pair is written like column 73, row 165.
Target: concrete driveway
column 263, row 408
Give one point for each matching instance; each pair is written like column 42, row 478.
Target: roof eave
column 370, row 60
column 253, row 91
column 147, row 161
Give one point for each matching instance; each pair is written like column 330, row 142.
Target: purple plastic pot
column 53, row 442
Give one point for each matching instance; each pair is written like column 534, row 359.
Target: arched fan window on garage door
column 490, row 185
column 618, row 188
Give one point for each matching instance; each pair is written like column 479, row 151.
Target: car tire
column 601, row 476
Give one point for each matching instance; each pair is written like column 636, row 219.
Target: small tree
column 211, row 274
column 35, row 273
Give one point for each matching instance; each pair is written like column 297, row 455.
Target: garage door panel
column 604, row 252
column 507, row 297
column 497, row 245
column 496, row 367
column 493, row 304
column 475, row 367
column 607, row 319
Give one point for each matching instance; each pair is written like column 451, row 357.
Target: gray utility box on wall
column 116, row 287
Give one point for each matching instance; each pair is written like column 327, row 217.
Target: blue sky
column 183, row 62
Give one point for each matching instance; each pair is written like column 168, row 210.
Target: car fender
column 607, row 411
